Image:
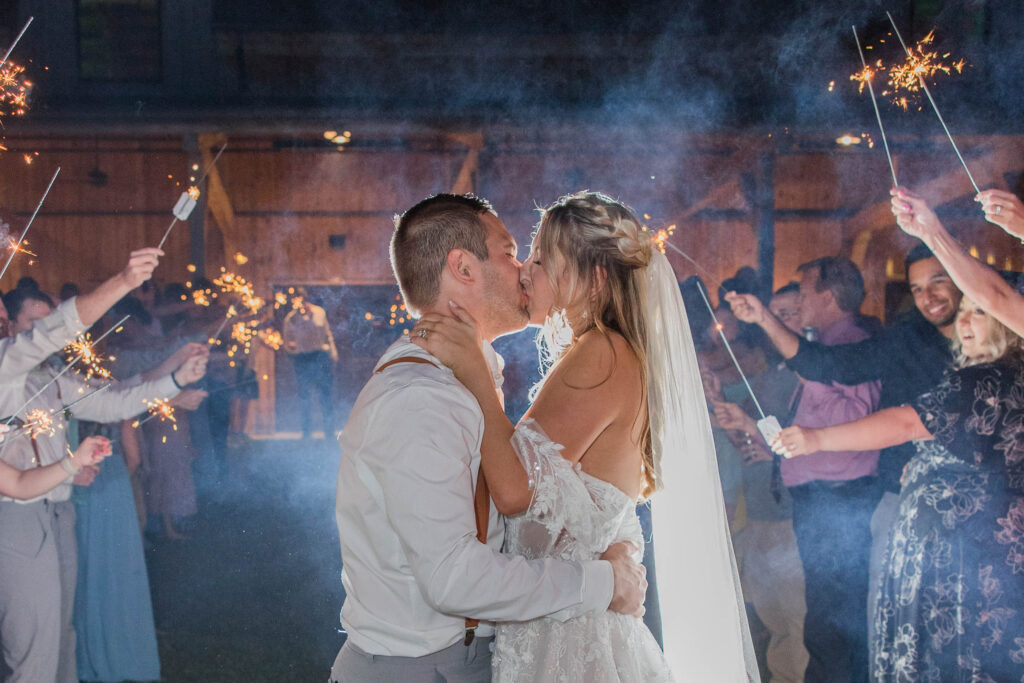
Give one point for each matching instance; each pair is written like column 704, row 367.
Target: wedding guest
column 951, row 607
column 908, row 357
column 973, row 277
column 1004, row 209
column 833, row 491
column 37, row 592
column 770, row 569
column 113, row 615
column 309, row 341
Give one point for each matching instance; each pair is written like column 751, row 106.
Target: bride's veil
column 704, row 621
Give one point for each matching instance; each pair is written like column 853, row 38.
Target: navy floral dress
column 952, row 601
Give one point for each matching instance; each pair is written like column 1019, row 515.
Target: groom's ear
column 461, row 266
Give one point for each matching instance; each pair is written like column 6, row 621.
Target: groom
column 414, row 570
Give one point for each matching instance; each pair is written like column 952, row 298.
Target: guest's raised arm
column 975, row 279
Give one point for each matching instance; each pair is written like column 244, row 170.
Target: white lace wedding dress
column 573, row 516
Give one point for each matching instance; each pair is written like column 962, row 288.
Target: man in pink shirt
column 834, row 493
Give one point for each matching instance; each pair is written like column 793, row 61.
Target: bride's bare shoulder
column 600, row 358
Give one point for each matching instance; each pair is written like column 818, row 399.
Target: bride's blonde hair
column 579, row 236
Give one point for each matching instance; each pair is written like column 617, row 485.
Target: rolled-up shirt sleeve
column 427, row 486
column 120, row 402
column 24, row 351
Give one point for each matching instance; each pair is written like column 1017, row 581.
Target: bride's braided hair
column 591, row 232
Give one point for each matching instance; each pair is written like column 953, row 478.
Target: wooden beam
column 988, row 171
column 216, row 195
column 465, row 181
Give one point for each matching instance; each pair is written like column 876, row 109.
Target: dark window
column 119, row 40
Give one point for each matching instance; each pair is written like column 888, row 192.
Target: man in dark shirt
column 909, row 357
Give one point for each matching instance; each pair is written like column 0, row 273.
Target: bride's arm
column 578, row 402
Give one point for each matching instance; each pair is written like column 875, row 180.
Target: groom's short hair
column 423, row 237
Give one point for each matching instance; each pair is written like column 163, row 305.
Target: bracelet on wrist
column 68, row 467
column 175, row 380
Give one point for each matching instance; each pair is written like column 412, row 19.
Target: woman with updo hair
column 618, row 415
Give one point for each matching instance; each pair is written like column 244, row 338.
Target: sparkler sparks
column 38, row 422
column 21, row 239
column 660, row 237
column 16, row 39
column 14, row 90
column 272, row 338
column 82, row 350
column 931, row 100
column 865, row 79
column 922, row 63
column 160, row 408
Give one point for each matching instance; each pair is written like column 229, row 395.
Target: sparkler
column 864, row 77
column 14, row 89
column 38, row 422
column 714, row 280
column 272, row 338
column 18, row 38
column 193, row 194
column 116, row 328
column 920, row 70
column 78, row 400
column 768, row 425
column 17, row 246
column 83, row 348
column 233, row 386
column 158, row 408
column 230, row 314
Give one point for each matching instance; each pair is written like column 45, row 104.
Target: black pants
column 832, row 522
column 314, row 371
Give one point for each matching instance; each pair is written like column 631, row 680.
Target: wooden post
column 765, row 219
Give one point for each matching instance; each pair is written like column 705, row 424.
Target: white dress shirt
column 122, row 401
column 20, row 354
column 412, row 567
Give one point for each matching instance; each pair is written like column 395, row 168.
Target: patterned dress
column 952, row 601
column 573, row 516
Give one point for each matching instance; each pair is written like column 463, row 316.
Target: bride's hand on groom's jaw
column 630, row 586
column 453, row 340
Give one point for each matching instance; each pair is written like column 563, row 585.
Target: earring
column 585, row 315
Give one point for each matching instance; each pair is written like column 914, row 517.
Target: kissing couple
column 474, row 549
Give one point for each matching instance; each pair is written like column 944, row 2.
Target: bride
column 618, row 415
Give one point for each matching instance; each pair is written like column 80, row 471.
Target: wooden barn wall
column 281, row 204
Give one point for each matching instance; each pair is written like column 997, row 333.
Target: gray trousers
column 30, row 593
column 454, row 664
column 67, row 556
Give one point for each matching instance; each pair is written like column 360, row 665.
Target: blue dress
column 113, row 610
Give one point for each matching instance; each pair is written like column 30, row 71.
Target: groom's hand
column 630, row 580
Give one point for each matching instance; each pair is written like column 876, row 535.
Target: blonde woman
column 619, row 414
column 951, row 606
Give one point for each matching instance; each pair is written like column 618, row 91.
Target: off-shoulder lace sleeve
column 563, row 515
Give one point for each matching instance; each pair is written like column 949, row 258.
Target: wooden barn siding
column 287, row 202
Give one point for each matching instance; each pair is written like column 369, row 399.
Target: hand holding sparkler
column 192, row 370
column 913, row 214
column 141, row 265
column 731, row 417
column 795, row 441
column 91, row 451
column 1004, row 209
column 747, row 308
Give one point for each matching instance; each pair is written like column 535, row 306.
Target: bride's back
column 594, row 404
